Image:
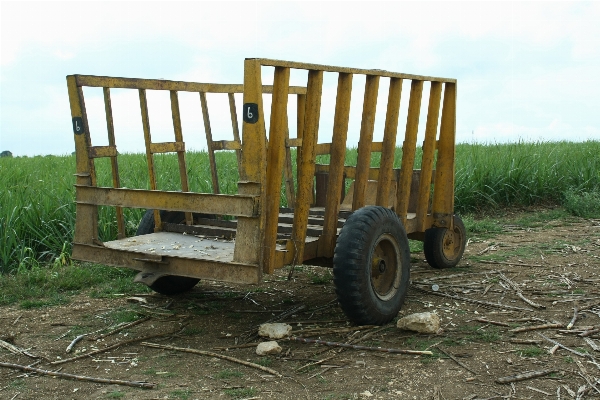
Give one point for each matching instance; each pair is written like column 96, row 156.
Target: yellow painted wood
column 113, row 161
column 102, row 151
column 86, row 228
column 336, row 164
column 160, row 84
column 408, row 149
column 377, row 146
column 250, row 231
column 176, row 116
column 356, row 71
column 209, row 143
column 300, row 114
column 433, row 114
column 443, row 192
column 222, row 204
column 227, row 145
column 323, row 148
column 389, row 138
column 306, row 161
column 149, row 154
column 294, row 142
column 275, row 163
column 366, row 137
column 235, row 128
column 288, row 173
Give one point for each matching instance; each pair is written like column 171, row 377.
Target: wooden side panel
column 176, row 116
column 336, row 166
column 366, row 138
column 275, row 159
column 389, row 140
column 443, row 192
column 209, row 143
column 306, row 162
column 433, row 114
column 408, row 150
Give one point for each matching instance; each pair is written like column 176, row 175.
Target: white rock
column 275, row 331
column 266, row 348
column 425, row 322
column 366, row 393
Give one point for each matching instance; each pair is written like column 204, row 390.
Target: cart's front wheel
column 443, row 247
column 170, row 284
column 371, row 266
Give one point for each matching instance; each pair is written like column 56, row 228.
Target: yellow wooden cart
column 362, row 231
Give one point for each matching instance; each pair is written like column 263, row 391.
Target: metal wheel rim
column 451, row 243
column 385, row 283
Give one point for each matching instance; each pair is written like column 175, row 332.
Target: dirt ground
column 535, row 272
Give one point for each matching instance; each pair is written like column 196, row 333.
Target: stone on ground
column 425, row 322
column 275, row 331
column 266, row 348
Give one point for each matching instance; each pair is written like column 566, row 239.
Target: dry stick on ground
column 353, row 346
column 526, row 341
column 589, row 332
column 211, row 354
column 517, row 289
column 119, row 329
column 562, row 346
column 536, row 328
column 239, row 346
column 74, row 342
column 487, row 321
column 483, row 303
column 324, row 331
column 511, row 263
column 592, row 344
column 315, row 363
column 456, row 360
column 584, row 375
column 16, row 350
column 524, row 376
column 145, row 385
column 114, row 346
column 574, row 319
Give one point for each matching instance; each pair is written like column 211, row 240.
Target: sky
column 526, row 71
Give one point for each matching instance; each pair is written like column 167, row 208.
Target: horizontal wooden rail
column 220, row 204
column 102, row 151
column 159, row 84
column 226, row 145
column 329, row 68
column 167, row 147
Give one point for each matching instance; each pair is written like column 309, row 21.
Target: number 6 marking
column 78, row 127
column 251, row 113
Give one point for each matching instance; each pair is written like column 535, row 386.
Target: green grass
column 532, row 351
column 229, row 373
column 37, row 216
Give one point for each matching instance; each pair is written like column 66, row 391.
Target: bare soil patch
column 531, row 274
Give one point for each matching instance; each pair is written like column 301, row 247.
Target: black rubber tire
column 443, row 248
column 168, row 285
column 371, row 266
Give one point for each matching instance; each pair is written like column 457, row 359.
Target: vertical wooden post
column 86, row 229
column 209, row 144
column 306, row 162
column 389, row 142
column 336, row 165
column 234, row 126
column 113, row 160
column 275, row 158
column 149, row 155
column 363, row 164
column 433, row 114
column 408, row 150
column 443, row 190
column 176, row 115
column 250, row 231
column 288, row 172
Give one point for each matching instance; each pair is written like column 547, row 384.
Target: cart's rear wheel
column 170, row 284
column 443, row 247
column 371, row 266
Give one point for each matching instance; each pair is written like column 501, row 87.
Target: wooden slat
column 113, row 161
column 433, row 114
column 235, row 128
column 306, row 165
column 209, row 143
column 366, row 138
column 167, row 147
column 102, row 151
column 160, row 84
column 176, row 116
column 149, row 154
column 389, row 138
column 206, row 203
column 295, row 142
column 249, row 237
column 376, row 147
column 288, row 172
column 330, row 68
column 443, row 192
column 408, row 150
column 275, row 159
column 336, row 164
column 323, row 148
column 226, row 145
